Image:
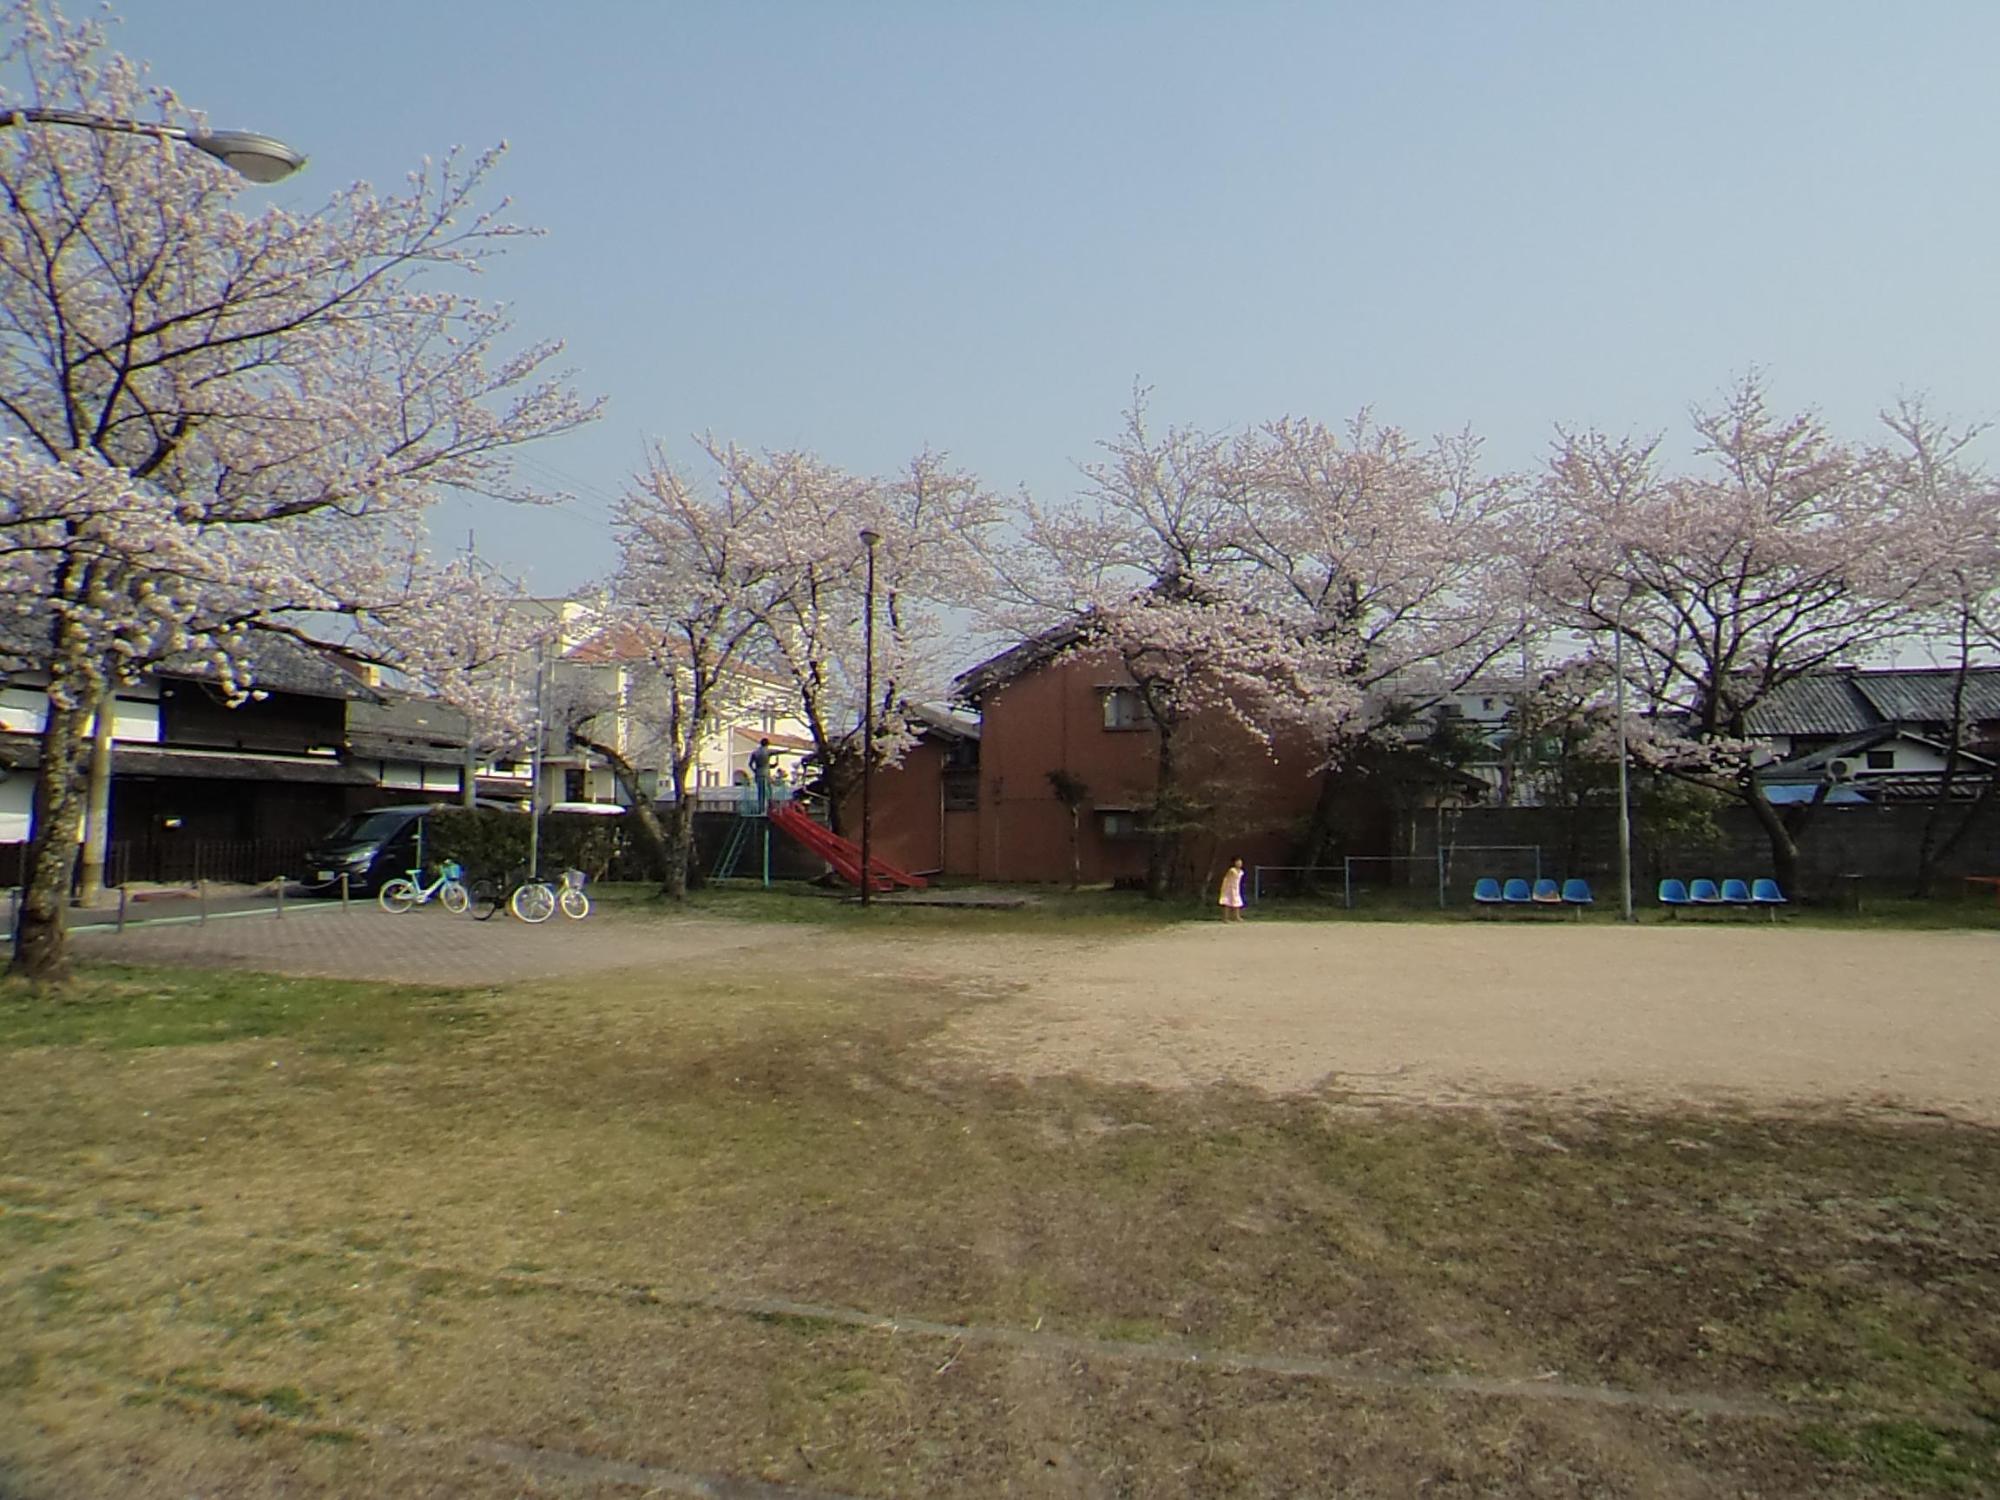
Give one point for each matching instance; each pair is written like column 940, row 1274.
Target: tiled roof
column 997, row 671
column 375, row 745
column 614, row 643
column 408, row 716
column 928, row 718
column 155, row 760
column 1824, row 703
column 1924, row 695
column 1850, row 702
column 277, row 663
column 622, row 641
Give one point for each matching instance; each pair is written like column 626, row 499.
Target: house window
column 576, row 786
column 1881, row 760
column 961, row 791
column 1124, row 825
column 1124, row 709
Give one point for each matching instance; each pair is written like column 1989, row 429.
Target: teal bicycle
column 404, row 892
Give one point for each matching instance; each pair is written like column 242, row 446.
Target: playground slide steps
column 843, row 854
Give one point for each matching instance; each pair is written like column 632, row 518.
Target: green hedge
column 490, row 842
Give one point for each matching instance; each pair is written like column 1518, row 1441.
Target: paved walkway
column 428, row 946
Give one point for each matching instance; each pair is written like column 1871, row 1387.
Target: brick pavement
column 420, row 947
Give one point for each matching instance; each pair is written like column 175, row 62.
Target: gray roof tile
column 1821, row 704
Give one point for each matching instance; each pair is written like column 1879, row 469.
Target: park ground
column 927, row 1203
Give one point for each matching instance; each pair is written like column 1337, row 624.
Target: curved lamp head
column 869, row 538
column 256, row 157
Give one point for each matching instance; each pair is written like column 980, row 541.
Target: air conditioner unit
column 1840, row 770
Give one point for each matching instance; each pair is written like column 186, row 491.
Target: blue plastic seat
column 1486, row 891
column 1673, row 893
column 1576, row 892
column 1547, row 892
column 1515, row 893
column 1765, row 893
column 1704, row 893
column 1735, row 893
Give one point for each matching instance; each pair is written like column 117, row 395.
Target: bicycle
column 405, row 891
column 575, row 904
column 529, row 900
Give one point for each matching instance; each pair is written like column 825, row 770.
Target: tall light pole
column 537, row 757
column 869, row 538
column 257, row 157
column 1624, row 779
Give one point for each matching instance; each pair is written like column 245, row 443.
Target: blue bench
column 1746, row 896
column 1488, row 892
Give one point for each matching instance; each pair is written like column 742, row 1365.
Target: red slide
column 843, row 854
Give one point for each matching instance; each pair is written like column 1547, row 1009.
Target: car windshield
column 368, row 828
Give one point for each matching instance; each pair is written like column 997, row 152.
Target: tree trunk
column 1320, row 833
column 1163, row 843
column 41, row 938
column 677, row 848
column 664, row 850
column 1929, row 854
column 97, row 807
column 1784, row 845
column 842, row 772
column 1933, row 857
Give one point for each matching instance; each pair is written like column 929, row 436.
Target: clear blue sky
column 862, row 228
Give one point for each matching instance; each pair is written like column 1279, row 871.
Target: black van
column 368, row 849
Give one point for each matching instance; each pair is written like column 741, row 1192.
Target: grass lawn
column 719, row 1227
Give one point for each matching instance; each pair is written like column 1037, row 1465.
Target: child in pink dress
column 1231, row 898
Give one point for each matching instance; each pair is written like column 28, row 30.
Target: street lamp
column 257, row 157
column 869, row 538
column 1624, row 778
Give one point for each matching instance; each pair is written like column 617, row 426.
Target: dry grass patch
column 594, row 1222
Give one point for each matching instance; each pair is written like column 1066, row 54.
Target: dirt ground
column 1420, row 1012
column 1749, row 1013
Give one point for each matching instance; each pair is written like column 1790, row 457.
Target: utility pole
column 868, row 539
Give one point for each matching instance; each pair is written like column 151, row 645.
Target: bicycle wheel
column 454, row 896
column 397, row 895
column 533, row 901
column 490, row 899
column 575, row 905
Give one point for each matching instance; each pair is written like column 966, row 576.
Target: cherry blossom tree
column 1954, row 540
column 1788, row 552
column 1389, row 556
column 1147, row 568
column 806, row 518
column 694, row 585
column 216, row 421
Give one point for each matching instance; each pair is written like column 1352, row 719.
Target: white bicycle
column 402, row 893
column 575, row 904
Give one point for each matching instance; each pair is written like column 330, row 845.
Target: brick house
column 1042, row 712
column 926, row 809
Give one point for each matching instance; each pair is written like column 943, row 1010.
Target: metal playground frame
column 1442, row 861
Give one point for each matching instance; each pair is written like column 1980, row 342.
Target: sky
column 866, row 228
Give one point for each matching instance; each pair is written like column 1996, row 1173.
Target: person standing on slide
column 760, row 772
